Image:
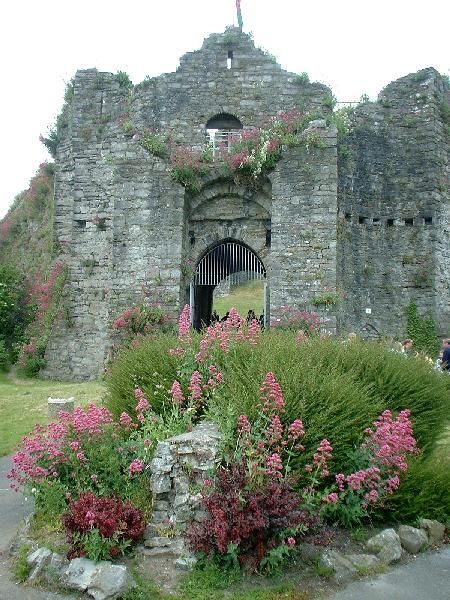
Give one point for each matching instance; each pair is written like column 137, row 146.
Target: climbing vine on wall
column 45, row 298
column 422, row 330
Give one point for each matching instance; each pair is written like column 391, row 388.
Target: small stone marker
column 57, row 404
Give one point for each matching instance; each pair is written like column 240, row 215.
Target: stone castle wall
column 122, row 224
column 394, row 207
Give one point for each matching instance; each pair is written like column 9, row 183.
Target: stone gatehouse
column 364, row 214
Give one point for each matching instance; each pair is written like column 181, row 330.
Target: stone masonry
column 365, row 214
column 181, row 465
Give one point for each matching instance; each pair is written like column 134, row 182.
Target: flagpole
column 239, row 14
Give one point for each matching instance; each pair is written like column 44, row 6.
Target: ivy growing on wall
column 422, row 330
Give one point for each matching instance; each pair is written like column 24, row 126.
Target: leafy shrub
column 143, row 319
column 290, row 317
column 84, row 451
column 4, row 357
column 102, row 528
column 147, row 365
column 424, row 492
column 337, row 389
column 153, row 143
column 251, row 517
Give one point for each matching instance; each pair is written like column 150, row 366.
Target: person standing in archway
column 446, row 355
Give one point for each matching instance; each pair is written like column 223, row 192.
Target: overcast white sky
column 354, row 46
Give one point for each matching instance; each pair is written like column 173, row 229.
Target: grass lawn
column 243, row 298
column 23, row 403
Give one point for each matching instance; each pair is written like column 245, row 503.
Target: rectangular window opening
column 376, row 221
column 348, row 217
column 80, row 223
column 362, row 220
column 409, row 222
column 230, row 54
column 428, row 220
column 390, row 222
column 268, row 237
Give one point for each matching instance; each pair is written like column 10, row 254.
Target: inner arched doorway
column 226, row 259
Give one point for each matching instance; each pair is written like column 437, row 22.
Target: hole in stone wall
column 390, row 222
column 362, row 220
column 348, row 217
column 191, row 238
column 376, row 221
column 80, row 223
column 428, row 220
column 268, row 237
column 409, row 222
column 230, row 53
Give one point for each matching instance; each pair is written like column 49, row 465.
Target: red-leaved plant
column 101, row 528
column 246, row 520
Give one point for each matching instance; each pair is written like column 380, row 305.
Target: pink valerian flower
column 331, row 498
column 391, row 440
column 143, row 403
column 137, row 466
column 296, row 430
column 340, row 480
column 392, row 484
column 81, row 456
column 274, row 431
column 274, row 465
column 322, row 456
column 125, row 419
column 177, row 393
column 301, row 337
column 291, row 542
column 271, row 399
column 207, row 482
column 371, row 497
column 184, row 325
column 243, row 425
column 94, row 478
column 91, row 420
column 195, row 386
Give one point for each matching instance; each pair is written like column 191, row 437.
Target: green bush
column 337, row 389
column 148, row 366
column 424, row 492
column 4, row 357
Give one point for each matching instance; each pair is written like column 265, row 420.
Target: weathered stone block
column 386, row 545
column 412, row 539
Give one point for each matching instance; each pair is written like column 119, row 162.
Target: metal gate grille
column 228, row 260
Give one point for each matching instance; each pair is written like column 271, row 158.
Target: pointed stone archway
column 226, row 259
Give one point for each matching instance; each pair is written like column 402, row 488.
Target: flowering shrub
column 143, row 319
column 102, row 528
column 187, row 166
column 289, row 317
column 45, row 297
column 252, row 508
column 198, row 375
column 85, row 451
column 381, row 458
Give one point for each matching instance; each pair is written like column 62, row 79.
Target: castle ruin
column 365, row 215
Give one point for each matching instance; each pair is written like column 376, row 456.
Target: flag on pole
column 239, row 14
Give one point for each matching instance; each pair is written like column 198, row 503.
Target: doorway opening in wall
column 230, row 274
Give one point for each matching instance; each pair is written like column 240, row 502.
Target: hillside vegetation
column 26, row 232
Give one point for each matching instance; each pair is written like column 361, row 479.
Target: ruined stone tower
column 365, row 215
